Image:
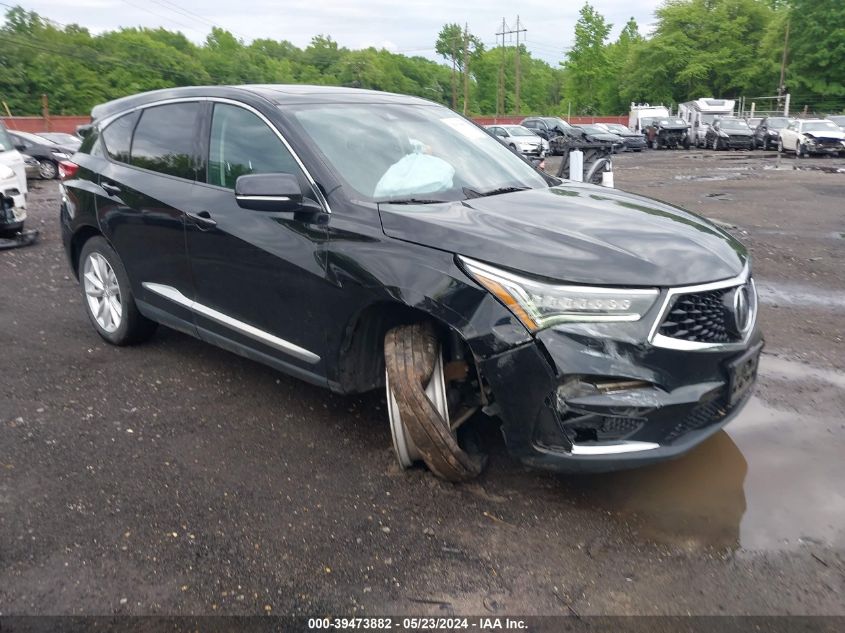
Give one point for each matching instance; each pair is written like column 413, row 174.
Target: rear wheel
column 108, row 296
column 421, row 422
column 47, row 169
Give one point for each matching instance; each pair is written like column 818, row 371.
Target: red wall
column 38, row 124
column 490, row 120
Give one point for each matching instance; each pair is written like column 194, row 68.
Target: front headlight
column 539, row 305
column 60, row 155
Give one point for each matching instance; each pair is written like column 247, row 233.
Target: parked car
column 47, row 153
column 61, row 138
column 812, row 136
column 839, row 119
column 546, row 126
column 359, row 240
column 729, row 133
column 767, row 132
column 568, row 137
column 633, row 141
column 596, row 133
column 668, row 133
column 520, row 139
column 13, row 189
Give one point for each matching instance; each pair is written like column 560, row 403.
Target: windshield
column 5, row 142
column 593, row 129
column 707, row 118
column 820, row 126
column 518, row 130
column 839, row 120
column 556, row 122
column 777, row 123
column 617, row 127
column 733, row 124
column 402, row 152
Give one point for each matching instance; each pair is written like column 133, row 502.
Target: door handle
column 202, row 218
column 110, row 189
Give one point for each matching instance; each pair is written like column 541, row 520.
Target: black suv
column 358, row 239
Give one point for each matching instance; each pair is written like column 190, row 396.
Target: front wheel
column 800, row 151
column 108, row 296
column 420, row 419
column 47, row 169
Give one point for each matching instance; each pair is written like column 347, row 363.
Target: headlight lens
column 539, row 305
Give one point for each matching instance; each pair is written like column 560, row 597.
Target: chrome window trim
column 320, row 197
column 659, row 340
column 172, row 294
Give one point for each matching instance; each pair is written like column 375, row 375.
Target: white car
column 812, row 136
column 520, row 138
column 12, row 186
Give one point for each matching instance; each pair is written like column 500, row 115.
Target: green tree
column 586, row 66
column 816, row 54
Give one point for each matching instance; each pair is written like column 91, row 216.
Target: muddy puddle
column 773, row 479
column 800, row 295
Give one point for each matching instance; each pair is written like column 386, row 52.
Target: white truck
column 699, row 114
column 640, row 111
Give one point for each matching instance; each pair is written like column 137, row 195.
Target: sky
column 408, row 27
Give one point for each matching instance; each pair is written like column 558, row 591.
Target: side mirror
column 269, row 192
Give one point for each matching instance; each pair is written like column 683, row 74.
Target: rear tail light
column 67, row 169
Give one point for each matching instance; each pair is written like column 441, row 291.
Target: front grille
column 702, row 317
column 740, row 140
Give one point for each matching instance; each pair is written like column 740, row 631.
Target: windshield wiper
column 413, row 201
column 472, row 193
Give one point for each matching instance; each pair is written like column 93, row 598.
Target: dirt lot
column 178, row 478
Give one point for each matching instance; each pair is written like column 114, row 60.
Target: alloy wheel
column 102, row 291
column 47, row 169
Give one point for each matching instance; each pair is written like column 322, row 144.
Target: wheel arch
column 77, row 242
column 360, row 358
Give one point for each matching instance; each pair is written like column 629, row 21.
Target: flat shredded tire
column 411, row 355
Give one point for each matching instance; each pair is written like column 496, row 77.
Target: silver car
column 520, row 139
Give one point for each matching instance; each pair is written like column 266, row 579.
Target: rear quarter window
column 117, row 136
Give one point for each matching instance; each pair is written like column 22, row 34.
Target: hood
column 737, row 132
column 604, row 136
column 832, row 134
column 576, row 233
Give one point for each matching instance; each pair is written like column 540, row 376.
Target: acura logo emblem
column 742, row 309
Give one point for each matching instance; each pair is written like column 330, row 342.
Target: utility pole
column 781, row 87
column 466, row 67
column 454, row 84
column 500, row 89
column 518, row 30
column 45, row 111
column 506, row 31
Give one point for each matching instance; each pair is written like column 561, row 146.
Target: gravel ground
column 176, row 478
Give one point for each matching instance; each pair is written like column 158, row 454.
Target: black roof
column 294, row 94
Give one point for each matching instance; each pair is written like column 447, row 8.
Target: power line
column 155, row 13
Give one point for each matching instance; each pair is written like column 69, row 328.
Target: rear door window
column 241, row 143
column 167, row 140
column 117, row 137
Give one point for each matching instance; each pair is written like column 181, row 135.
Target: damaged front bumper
column 12, row 209
column 591, row 398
